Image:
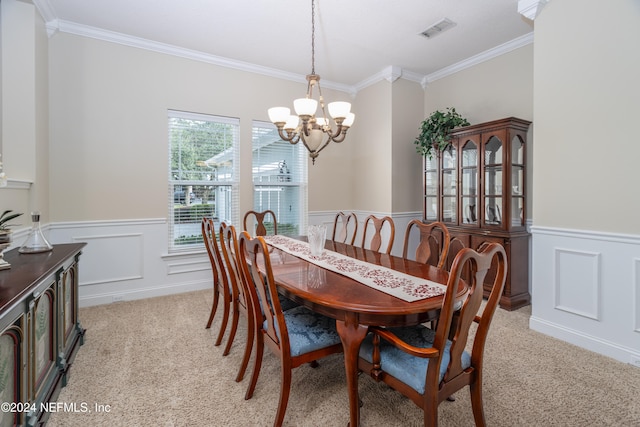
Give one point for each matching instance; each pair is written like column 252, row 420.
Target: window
column 203, row 175
column 280, row 178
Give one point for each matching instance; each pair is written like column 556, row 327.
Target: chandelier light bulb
column 339, row 109
column 292, row 122
column 305, row 106
column 279, row 114
column 348, row 121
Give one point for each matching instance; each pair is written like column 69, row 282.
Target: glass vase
column 35, row 242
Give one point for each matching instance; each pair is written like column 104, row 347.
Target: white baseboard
column 136, row 294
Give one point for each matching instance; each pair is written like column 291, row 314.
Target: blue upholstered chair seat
column 409, row 369
column 286, row 303
column 308, row 331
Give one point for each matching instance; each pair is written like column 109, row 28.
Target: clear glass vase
column 35, row 242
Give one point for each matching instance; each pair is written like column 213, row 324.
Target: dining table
column 330, row 285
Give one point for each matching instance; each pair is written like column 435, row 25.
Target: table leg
column 351, row 334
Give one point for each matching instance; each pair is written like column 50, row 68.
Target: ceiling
column 354, row 39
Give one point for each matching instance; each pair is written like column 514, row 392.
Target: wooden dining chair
column 296, row 336
column 375, row 240
column 341, row 226
column 259, row 221
column 428, row 365
column 241, row 301
column 433, row 245
column 221, row 288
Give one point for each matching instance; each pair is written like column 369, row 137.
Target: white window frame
column 220, row 184
column 272, row 179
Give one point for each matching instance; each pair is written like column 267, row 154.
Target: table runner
column 400, row 285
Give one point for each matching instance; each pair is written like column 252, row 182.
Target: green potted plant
column 5, row 231
column 435, row 129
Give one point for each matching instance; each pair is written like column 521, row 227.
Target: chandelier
column 315, row 132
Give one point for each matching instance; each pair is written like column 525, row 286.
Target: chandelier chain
column 313, row 38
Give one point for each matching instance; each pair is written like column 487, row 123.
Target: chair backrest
column 433, row 245
column 229, row 246
column 375, row 242
column 455, row 324
column 341, row 224
column 254, row 253
column 259, row 220
column 211, row 245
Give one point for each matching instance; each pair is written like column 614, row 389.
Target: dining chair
column 341, row 228
column 428, row 365
column 260, row 221
column 221, row 289
column 240, row 299
column 375, row 240
column 296, row 336
column 433, row 245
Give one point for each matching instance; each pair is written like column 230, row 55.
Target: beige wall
column 407, row 113
column 371, row 170
column 25, row 110
column 498, row 88
column 109, row 127
column 587, row 104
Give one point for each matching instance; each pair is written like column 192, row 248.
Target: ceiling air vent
column 438, row 28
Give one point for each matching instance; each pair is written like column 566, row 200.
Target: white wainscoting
column 127, row 260
column 586, row 290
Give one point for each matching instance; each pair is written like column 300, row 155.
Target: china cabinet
column 39, row 330
column 477, row 187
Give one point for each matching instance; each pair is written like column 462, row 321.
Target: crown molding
column 480, row 58
column 45, row 10
column 140, row 43
column 530, row 9
column 390, row 73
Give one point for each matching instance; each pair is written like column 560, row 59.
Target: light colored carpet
column 153, row 362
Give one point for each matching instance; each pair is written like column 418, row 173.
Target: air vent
column 438, row 28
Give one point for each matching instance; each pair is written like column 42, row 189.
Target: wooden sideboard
column 39, row 330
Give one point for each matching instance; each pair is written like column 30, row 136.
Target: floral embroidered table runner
column 400, row 285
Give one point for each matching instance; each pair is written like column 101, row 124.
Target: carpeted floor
column 152, row 363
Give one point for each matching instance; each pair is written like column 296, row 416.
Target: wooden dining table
column 355, row 306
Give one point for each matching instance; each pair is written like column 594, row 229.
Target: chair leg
column 431, row 411
column 285, row 389
column 256, row 366
column 214, row 306
column 476, row 403
column 247, row 350
column 225, row 318
column 234, row 328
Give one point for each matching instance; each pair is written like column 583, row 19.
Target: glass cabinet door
column 449, row 186
column 517, row 182
column 493, row 181
column 431, row 188
column 469, row 182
